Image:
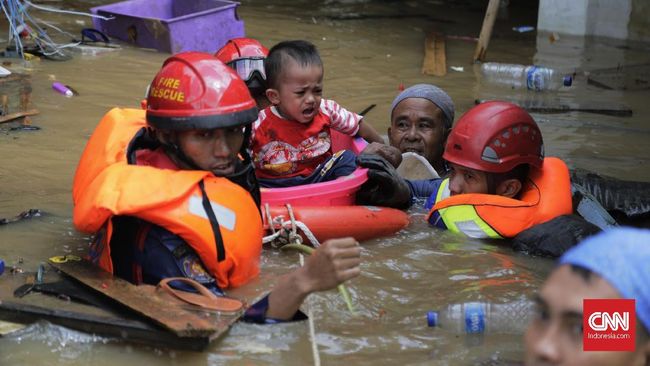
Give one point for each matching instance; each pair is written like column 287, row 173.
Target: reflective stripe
column 463, row 218
column 226, row 217
column 443, row 191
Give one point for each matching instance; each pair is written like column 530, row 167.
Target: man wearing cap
column 612, row 265
column 420, row 121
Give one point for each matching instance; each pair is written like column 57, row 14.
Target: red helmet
column 238, row 48
column 495, row 137
column 246, row 56
column 194, row 90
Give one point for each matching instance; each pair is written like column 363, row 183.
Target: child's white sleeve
column 341, row 119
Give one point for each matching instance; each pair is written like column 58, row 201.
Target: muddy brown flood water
column 366, row 59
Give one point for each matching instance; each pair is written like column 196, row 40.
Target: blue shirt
column 428, row 189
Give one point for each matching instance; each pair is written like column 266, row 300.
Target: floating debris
column 523, row 29
column 62, row 89
column 32, row 212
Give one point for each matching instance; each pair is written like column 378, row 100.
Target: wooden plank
column 12, row 116
column 9, row 327
column 106, row 321
column 26, row 78
column 486, row 30
column 630, row 77
column 145, row 300
column 132, row 313
column 107, row 326
column 562, row 106
column 435, row 61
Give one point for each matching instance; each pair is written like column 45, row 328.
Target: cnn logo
column 609, row 325
column 601, row 321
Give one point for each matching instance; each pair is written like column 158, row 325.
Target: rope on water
column 287, row 238
column 284, row 237
column 312, row 326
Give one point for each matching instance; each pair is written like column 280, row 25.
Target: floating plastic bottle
column 482, row 317
column 520, row 76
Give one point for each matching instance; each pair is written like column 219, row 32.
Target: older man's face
column 418, row 126
column 554, row 337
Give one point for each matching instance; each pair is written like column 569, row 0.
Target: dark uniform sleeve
column 167, row 255
column 257, row 314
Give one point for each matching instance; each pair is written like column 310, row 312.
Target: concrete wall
column 563, row 16
column 622, row 19
column 608, row 18
column 639, row 26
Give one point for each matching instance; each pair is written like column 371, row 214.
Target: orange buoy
column 359, row 222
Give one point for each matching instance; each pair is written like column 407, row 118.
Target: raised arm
column 369, row 133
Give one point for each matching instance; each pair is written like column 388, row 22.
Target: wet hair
column 302, row 52
column 520, row 172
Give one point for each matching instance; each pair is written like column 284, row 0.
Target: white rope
column 60, row 47
column 287, row 225
column 57, row 29
column 312, row 238
column 289, row 228
column 312, row 326
column 270, row 238
column 44, row 8
column 13, row 34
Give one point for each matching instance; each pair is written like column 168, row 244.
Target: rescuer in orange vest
column 170, row 192
column 499, row 183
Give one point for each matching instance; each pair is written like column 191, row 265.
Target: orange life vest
column 185, row 202
column 546, row 196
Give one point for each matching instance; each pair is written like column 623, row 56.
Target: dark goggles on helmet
column 246, row 67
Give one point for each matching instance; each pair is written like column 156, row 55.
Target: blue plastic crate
column 172, row 25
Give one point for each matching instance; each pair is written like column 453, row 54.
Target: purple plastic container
column 172, row 25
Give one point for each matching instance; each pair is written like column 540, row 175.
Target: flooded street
column 369, row 48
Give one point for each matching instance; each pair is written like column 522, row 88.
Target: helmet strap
column 244, row 175
column 172, row 148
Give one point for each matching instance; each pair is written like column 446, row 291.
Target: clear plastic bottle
column 482, row 317
column 520, row 76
